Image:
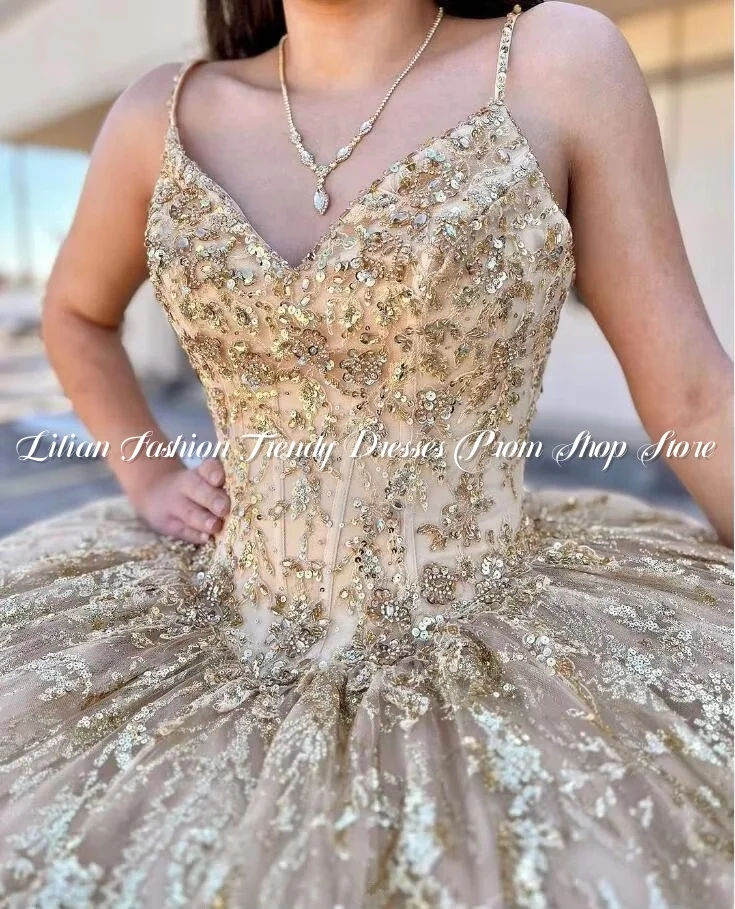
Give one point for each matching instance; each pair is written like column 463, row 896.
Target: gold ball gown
column 389, row 682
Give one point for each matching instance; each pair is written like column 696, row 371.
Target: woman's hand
column 185, row 504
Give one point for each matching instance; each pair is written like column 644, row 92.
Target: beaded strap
column 173, row 98
column 504, row 53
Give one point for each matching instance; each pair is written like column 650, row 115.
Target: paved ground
column 30, row 401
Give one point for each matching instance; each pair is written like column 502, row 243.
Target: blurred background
column 63, row 62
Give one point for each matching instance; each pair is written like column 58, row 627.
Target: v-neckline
column 307, row 260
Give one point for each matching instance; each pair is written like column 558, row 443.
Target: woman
column 391, row 680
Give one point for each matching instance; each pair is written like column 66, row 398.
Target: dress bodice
column 422, row 317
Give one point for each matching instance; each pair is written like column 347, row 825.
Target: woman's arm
column 100, row 266
column 632, row 269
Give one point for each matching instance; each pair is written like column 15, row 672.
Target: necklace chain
column 322, row 171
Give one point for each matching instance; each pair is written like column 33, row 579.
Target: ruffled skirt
column 569, row 747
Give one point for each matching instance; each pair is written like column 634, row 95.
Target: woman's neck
column 345, row 45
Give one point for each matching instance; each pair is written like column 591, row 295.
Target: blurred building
column 62, row 63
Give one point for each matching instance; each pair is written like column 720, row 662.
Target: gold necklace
column 322, row 171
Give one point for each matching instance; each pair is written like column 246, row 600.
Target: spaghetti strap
column 504, row 53
column 173, row 99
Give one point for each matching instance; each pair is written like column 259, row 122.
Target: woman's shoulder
column 135, row 126
column 577, row 62
column 142, row 108
column 140, row 116
column 148, row 96
column 208, row 84
column 573, row 41
column 568, row 22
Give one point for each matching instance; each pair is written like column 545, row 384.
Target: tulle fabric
column 138, row 770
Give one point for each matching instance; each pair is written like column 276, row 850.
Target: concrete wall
column 65, row 60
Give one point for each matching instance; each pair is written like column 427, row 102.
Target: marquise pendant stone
column 321, row 200
column 322, row 171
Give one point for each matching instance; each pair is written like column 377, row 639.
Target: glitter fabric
column 389, row 682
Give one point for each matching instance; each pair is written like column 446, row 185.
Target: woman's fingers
column 212, row 471
column 188, row 504
column 195, row 504
column 198, row 518
column 178, row 529
column 203, row 493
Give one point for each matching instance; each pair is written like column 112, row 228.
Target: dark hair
column 245, row 28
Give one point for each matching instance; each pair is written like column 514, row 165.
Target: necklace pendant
column 321, row 199
column 322, row 171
